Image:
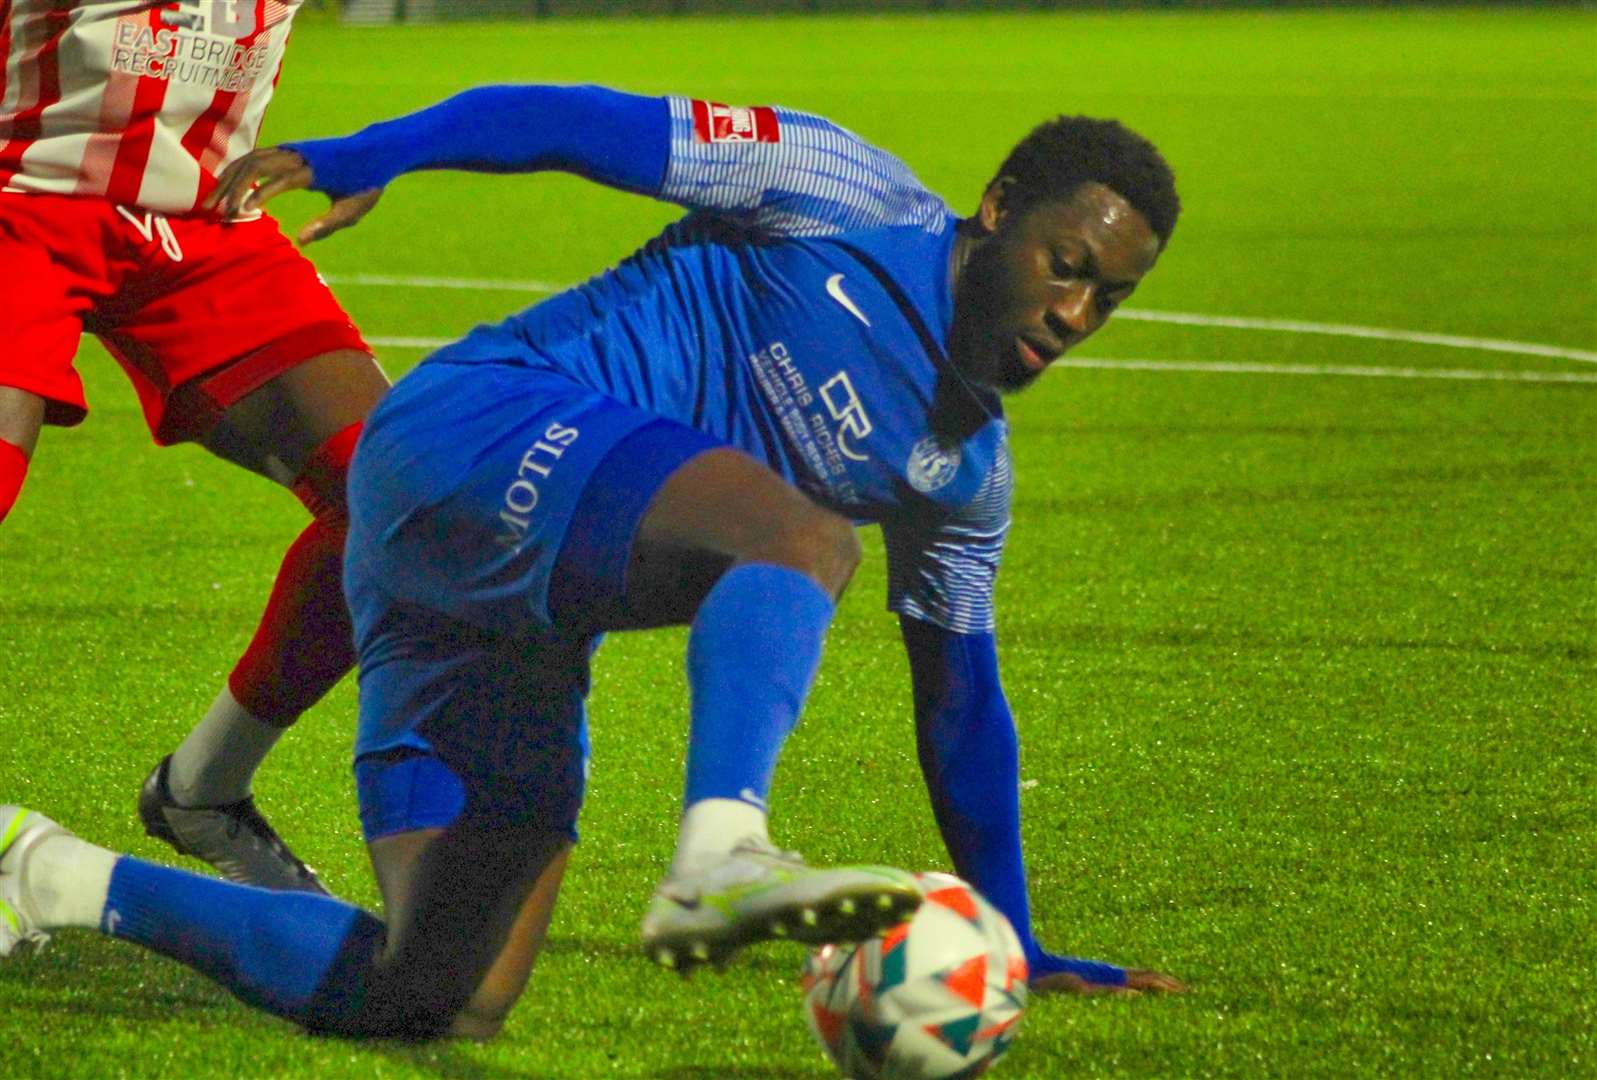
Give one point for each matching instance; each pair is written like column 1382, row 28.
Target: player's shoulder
column 902, row 241
column 793, row 173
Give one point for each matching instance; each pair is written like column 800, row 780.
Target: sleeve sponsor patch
column 717, row 123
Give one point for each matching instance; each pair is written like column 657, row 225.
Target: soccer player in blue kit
column 690, row 437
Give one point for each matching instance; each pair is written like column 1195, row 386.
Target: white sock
column 713, row 827
column 217, row 761
column 68, row 880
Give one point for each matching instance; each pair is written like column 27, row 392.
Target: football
column 938, row 997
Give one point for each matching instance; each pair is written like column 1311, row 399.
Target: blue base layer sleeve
column 300, row 956
column 752, row 654
column 618, row 139
column 970, row 757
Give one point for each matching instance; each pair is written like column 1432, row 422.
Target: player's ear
column 994, row 203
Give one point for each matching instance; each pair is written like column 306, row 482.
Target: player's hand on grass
column 255, row 179
column 1051, row 974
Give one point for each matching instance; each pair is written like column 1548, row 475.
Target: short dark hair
column 1063, row 153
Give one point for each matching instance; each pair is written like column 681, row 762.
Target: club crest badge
column 931, row 465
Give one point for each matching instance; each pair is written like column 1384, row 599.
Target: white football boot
column 21, row 831
column 758, row 893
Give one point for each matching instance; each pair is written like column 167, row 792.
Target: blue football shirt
column 800, row 312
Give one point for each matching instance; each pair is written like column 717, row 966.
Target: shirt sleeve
column 789, row 173
column 605, row 135
column 943, row 571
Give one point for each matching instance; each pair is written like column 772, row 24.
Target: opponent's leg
column 21, row 417
column 468, row 909
column 299, row 429
column 49, row 265
column 470, row 775
column 757, row 567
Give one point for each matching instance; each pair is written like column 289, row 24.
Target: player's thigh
column 467, row 911
column 237, row 342
column 724, row 502
column 721, row 508
column 276, row 428
column 665, row 513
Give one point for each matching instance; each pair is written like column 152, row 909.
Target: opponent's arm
column 618, row 139
column 969, row 755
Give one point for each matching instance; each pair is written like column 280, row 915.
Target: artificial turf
column 1303, row 665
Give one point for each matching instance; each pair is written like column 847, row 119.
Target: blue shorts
column 476, row 490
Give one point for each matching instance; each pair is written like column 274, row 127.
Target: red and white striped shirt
column 135, row 102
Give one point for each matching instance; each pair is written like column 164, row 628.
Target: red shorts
column 198, row 312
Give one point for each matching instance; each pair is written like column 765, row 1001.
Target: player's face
column 1042, row 280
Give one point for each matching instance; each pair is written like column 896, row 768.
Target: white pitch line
column 1380, row 333
column 1182, row 318
column 409, row 342
column 464, row 284
column 1219, row 367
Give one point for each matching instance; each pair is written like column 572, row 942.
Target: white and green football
column 937, row 998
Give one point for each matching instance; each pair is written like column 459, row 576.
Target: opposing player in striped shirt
column 115, row 120
column 689, row 438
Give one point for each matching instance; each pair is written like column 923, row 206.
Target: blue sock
column 298, row 955
column 752, row 655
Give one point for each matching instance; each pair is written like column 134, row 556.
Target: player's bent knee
column 824, row 546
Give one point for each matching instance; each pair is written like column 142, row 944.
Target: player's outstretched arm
column 778, row 170
column 969, row 755
column 617, row 139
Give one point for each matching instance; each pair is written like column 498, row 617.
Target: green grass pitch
column 1303, row 664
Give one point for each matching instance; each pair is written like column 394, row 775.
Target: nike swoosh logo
column 834, row 289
